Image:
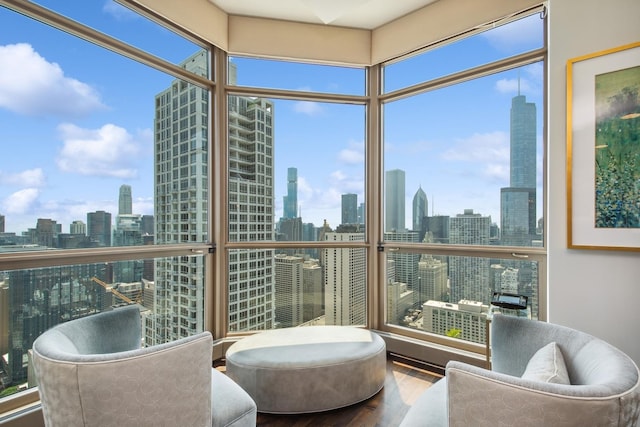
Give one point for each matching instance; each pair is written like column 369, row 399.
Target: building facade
column 469, row 275
column 345, row 281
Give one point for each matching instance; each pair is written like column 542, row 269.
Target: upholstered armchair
column 93, row 372
column 542, row 375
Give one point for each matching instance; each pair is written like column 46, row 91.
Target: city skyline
column 70, row 173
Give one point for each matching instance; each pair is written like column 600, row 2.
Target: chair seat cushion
column 430, row 409
column 230, row 404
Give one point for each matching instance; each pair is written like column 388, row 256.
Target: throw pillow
column 547, row 365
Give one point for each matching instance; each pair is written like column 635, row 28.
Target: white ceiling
column 367, row 14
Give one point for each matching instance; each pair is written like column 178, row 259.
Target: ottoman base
column 308, row 369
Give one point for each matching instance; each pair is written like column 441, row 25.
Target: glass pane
column 452, row 295
column 491, row 45
column 471, row 172
column 306, row 159
column 91, row 134
column 120, row 22
column 34, row 300
column 296, row 76
column 282, row 288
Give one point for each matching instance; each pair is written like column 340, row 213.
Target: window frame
column 216, row 252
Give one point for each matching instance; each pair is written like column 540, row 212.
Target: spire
column 518, row 82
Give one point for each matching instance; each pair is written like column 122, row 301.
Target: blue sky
column 76, row 121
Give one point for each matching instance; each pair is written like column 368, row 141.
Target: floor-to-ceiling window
column 104, row 181
column 295, row 177
column 463, row 172
column 400, row 206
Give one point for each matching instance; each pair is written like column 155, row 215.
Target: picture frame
column 603, row 150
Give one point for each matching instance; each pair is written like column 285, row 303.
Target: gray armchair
column 93, row 372
column 602, row 388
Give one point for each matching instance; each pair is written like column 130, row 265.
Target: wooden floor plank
column 404, row 382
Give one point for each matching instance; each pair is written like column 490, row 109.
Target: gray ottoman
column 308, row 369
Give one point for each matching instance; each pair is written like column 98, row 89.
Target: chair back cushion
column 167, row 384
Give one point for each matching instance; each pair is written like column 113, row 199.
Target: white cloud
column 31, row 85
column 480, row 148
column 528, row 81
column 119, row 12
column 309, row 108
column 511, row 36
column 354, row 154
column 27, row 178
column 490, row 151
column 143, row 205
column 108, row 151
column 338, row 176
column 21, row 201
column 513, row 86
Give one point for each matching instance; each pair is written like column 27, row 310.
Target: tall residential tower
column 181, row 205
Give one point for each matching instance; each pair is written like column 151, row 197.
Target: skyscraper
column 399, row 299
column 78, row 227
column 125, row 204
column 345, row 281
column 350, row 208
column 432, row 279
column 361, row 213
column 1, row 223
column 181, row 194
column 468, row 318
column 394, row 200
column 47, row 231
column 251, row 177
column 518, row 201
column 99, row 227
column 469, row 275
column 420, row 210
column 406, row 264
column 523, row 143
column 181, row 126
column 128, row 233
column 290, row 201
column 289, row 305
column 313, row 297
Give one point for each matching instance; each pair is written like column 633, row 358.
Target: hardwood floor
column 405, row 381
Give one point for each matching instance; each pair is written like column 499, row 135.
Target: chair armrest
column 477, row 396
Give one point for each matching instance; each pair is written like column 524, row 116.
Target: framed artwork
column 603, row 150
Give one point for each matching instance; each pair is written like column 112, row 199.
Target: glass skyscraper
column 394, row 200
column 124, row 200
column 420, row 210
column 349, row 209
column 290, row 201
column 518, row 201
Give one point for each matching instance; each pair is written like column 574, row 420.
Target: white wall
column 594, row 291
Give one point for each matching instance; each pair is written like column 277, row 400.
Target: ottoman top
column 305, row 346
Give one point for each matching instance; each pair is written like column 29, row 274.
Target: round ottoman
column 309, row 368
